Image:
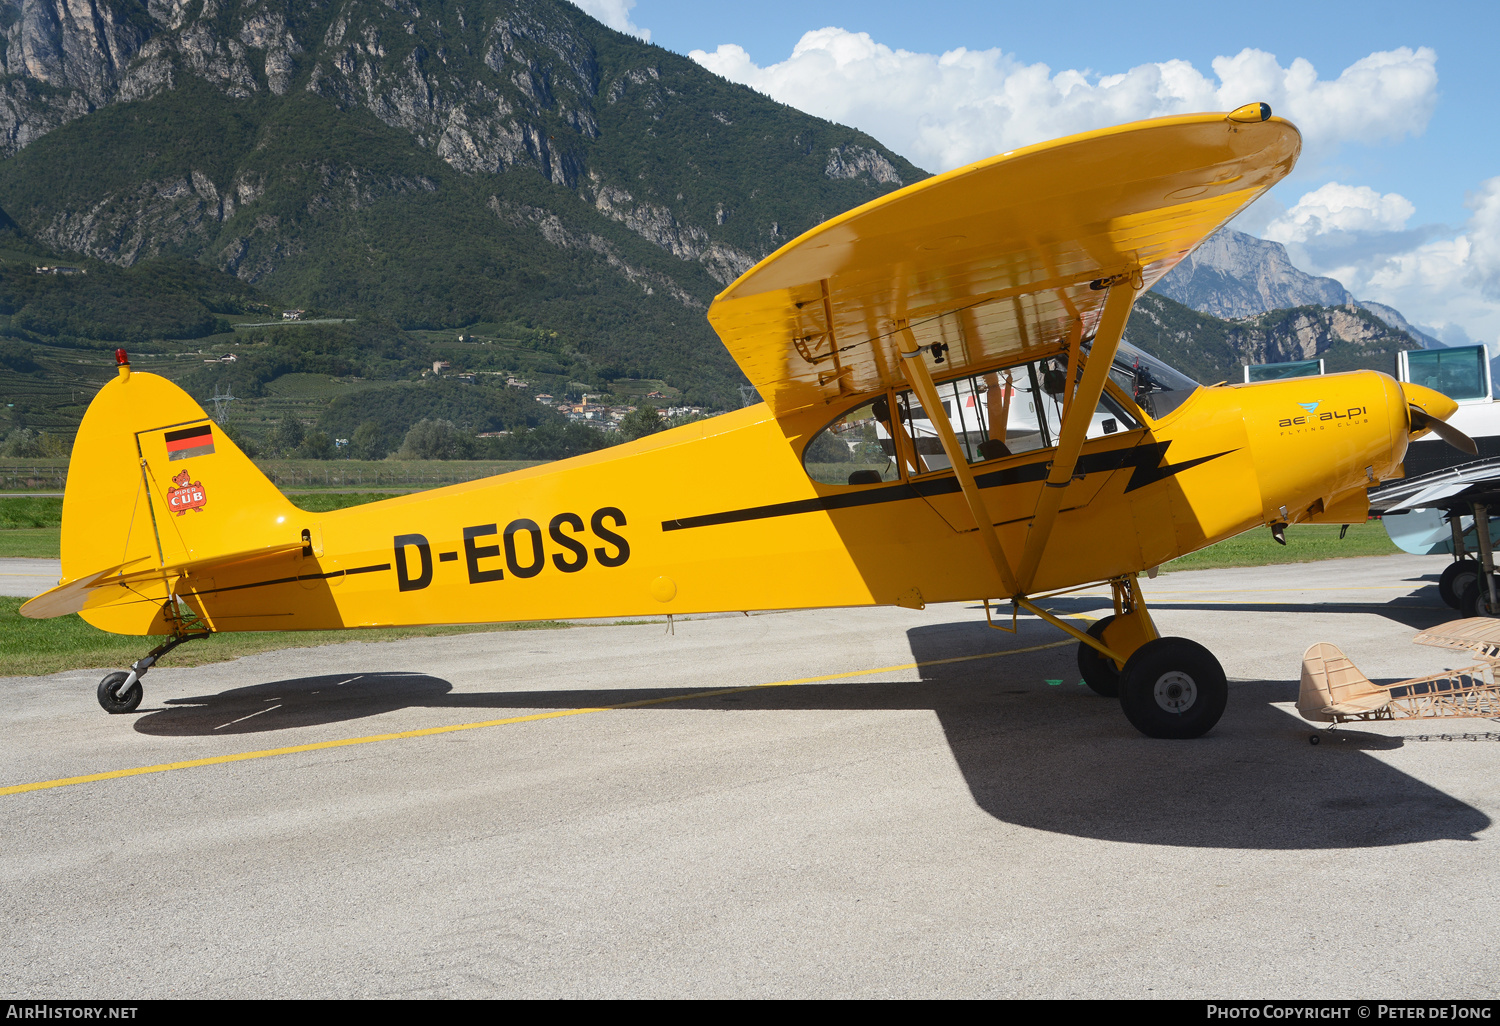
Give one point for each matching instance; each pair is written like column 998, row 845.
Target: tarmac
column 829, row 803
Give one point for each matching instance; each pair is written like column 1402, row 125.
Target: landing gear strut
column 121, row 692
column 1479, row 596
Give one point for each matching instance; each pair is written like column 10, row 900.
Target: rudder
column 154, row 482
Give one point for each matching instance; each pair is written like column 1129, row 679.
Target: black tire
column 1474, row 600
column 1173, row 688
column 1451, row 584
column 113, row 699
column 1098, row 670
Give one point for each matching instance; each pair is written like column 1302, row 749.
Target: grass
column 30, row 527
column 31, row 542
column 1305, row 543
column 32, row 647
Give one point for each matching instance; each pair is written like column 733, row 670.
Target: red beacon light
column 122, row 359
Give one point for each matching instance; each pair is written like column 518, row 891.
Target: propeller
column 1421, row 420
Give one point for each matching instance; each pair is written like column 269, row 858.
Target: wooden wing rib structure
column 1335, row 691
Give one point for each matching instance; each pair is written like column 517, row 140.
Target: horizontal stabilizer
column 99, row 588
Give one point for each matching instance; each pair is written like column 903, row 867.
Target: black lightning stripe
column 376, row 568
column 1145, row 462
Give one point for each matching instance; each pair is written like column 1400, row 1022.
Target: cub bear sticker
column 187, row 495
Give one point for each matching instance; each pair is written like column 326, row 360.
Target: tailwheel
column 121, row 692
column 1173, row 688
column 1098, row 670
column 115, row 697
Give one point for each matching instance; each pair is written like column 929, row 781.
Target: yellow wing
column 998, row 259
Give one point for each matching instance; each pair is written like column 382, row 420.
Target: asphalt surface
column 28, row 577
column 963, row 827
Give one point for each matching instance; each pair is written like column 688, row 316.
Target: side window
column 1007, row 413
column 995, row 416
column 858, row 448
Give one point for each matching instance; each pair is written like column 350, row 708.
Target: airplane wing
column 1439, row 489
column 1479, row 634
column 998, row 260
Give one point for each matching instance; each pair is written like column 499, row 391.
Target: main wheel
column 116, row 701
column 1474, row 600
column 1098, row 670
column 1455, row 578
column 1173, row 688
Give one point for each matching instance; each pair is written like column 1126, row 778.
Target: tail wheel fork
column 121, row 692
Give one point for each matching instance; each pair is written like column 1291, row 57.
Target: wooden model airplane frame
column 1024, row 266
column 1335, row 691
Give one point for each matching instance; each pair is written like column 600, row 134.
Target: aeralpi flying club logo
column 1324, row 419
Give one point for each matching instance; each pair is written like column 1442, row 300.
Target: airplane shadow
column 1036, row 748
column 1412, row 611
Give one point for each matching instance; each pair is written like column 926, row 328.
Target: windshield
column 1457, row 373
column 1157, row 388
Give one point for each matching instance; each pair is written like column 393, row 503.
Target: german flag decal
column 193, row 441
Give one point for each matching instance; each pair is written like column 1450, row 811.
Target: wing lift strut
column 1079, row 404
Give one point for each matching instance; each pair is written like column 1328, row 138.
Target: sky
column 1397, row 193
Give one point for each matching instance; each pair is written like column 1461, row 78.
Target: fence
column 50, row 476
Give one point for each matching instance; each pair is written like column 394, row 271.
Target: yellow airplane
column 950, row 414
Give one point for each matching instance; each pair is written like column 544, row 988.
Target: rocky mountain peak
column 1234, row 275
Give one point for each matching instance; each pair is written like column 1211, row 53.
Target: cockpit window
column 858, row 448
column 994, row 416
column 1156, row 388
column 1457, row 373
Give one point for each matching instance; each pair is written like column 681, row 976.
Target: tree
column 239, row 438
column 23, row 443
column 365, row 443
column 827, row 448
column 286, row 436
column 316, row 445
column 434, row 440
column 642, row 421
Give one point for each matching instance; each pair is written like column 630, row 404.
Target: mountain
column 1212, row 349
column 1234, row 275
column 432, row 165
column 505, row 187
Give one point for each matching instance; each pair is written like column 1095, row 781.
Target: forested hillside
column 430, row 165
column 506, row 187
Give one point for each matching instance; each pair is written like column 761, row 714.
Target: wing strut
column 1078, row 414
column 921, row 382
column 1111, row 327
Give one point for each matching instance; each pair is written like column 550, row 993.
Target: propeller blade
column 1421, row 421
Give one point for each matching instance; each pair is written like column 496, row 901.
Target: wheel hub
column 1175, row 692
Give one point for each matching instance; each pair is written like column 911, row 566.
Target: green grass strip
column 32, row 647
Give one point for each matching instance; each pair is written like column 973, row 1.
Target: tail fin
column 155, row 485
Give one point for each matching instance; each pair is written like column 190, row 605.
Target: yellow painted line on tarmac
column 267, row 753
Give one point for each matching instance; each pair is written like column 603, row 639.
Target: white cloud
column 615, row 14
column 945, row 110
column 1484, row 239
column 1450, row 283
column 1341, row 208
